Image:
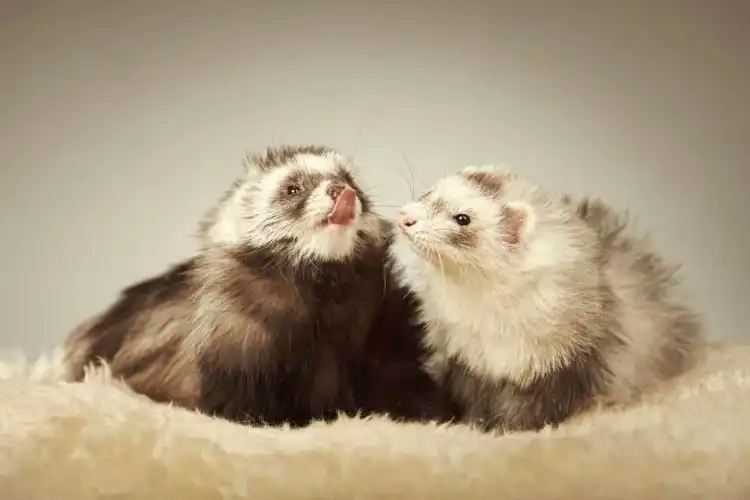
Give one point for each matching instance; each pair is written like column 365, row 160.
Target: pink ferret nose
column 335, row 189
column 406, row 221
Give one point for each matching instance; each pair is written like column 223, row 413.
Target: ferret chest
column 496, row 341
column 342, row 308
column 313, row 332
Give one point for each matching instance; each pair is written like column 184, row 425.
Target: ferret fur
column 539, row 307
column 277, row 319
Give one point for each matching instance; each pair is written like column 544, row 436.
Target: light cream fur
column 512, row 311
column 478, row 294
column 97, row 439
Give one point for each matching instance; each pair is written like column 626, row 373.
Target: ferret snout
column 406, row 221
column 335, row 189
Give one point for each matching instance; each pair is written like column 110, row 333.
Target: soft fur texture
column 97, row 439
column 287, row 314
column 538, row 307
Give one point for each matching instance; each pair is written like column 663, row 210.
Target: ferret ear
column 519, row 221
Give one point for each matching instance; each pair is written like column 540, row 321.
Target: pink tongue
column 344, row 211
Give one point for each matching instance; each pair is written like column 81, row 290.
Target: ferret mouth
column 344, row 211
column 421, row 248
column 413, row 242
column 328, row 222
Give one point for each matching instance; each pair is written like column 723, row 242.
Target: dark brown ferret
column 288, row 314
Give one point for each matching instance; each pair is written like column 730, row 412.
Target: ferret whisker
column 460, row 267
column 411, row 175
column 479, row 274
column 442, row 266
column 385, row 205
column 397, row 172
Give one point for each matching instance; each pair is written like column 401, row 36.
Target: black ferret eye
column 292, row 190
column 462, row 219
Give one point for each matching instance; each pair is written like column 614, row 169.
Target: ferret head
column 301, row 197
column 487, row 223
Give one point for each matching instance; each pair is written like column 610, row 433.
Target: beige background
column 122, row 122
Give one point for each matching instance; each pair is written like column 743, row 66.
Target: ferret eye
column 462, row 219
column 292, row 190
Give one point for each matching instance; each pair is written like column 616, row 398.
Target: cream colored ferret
column 537, row 307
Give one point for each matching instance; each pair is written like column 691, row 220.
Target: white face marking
column 330, row 242
column 487, row 304
column 253, row 213
column 227, row 228
column 324, row 164
column 434, row 231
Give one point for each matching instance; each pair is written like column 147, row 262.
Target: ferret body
column 538, row 308
column 285, row 315
column 141, row 336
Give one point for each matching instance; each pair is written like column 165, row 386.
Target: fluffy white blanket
column 99, row 440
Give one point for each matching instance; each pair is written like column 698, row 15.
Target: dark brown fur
column 293, row 344
column 278, row 156
column 300, row 336
column 333, row 347
column 140, row 337
column 390, row 382
column 251, row 335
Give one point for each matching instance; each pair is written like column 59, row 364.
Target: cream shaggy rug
column 98, row 440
